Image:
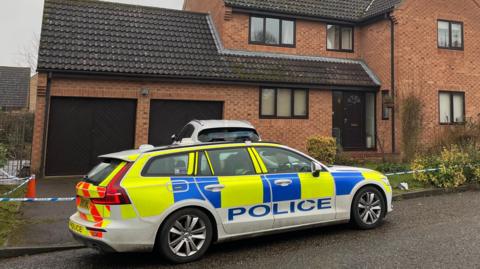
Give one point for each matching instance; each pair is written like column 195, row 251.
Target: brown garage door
column 167, row 117
column 81, row 129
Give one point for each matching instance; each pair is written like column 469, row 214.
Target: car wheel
column 368, row 208
column 185, row 236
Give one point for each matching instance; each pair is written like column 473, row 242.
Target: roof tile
column 347, row 10
column 14, row 86
column 105, row 37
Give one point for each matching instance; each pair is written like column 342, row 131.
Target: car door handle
column 283, row 182
column 215, row 187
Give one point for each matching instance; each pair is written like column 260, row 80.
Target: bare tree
column 28, row 54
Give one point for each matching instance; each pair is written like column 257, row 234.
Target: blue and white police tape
column 413, row 172
column 29, row 200
column 18, row 187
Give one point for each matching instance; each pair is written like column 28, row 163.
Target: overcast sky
column 20, row 23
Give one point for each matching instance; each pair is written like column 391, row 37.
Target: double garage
column 81, row 129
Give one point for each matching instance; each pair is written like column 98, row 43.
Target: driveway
column 433, row 232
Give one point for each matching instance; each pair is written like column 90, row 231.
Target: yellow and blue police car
column 179, row 199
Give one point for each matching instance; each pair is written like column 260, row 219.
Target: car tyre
column 368, row 208
column 185, row 236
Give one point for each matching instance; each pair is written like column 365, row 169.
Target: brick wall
column 234, row 31
column 371, row 43
column 38, row 125
column 240, row 102
column 310, row 38
column 32, row 94
column 375, row 44
column 423, row 69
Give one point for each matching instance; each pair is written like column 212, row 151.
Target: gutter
column 362, row 20
column 45, row 123
column 157, row 78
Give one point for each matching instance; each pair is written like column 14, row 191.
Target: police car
column 178, row 200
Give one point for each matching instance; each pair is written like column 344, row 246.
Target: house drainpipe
column 392, row 78
column 45, row 124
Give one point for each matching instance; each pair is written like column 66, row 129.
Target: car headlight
column 386, row 181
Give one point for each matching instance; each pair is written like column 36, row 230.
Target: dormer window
column 339, row 38
column 272, row 31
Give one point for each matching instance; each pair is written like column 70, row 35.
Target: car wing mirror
column 316, row 169
column 174, row 137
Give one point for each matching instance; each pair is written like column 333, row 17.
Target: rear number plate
column 75, row 227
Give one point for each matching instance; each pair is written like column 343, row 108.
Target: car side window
column 279, row 161
column 203, row 165
column 170, row 165
column 231, row 162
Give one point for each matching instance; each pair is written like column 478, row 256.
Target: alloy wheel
column 369, row 208
column 187, row 235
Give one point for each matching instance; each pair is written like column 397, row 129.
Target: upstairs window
column 283, row 103
column 450, row 35
column 272, row 31
column 452, row 107
column 339, row 38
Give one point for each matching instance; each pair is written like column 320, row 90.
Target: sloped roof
column 102, row 37
column 14, row 86
column 347, row 10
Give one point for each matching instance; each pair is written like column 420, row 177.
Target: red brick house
column 115, row 76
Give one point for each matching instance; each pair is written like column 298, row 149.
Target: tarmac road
column 433, row 232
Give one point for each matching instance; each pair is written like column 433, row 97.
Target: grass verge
column 9, row 212
column 413, row 185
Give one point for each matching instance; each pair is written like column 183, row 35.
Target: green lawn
column 8, row 213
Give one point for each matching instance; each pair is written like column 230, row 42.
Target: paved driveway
column 433, row 232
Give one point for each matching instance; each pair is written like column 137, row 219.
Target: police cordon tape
column 69, row 199
column 413, row 172
column 26, row 180
column 30, row 200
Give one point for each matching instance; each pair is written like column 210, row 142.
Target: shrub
column 411, row 116
column 3, row 155
column 453, row 167
column 322, row 148
column 465, row 136
column 343, row 158
column 16, row 130
column 387, row 167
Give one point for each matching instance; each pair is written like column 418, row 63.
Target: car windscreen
column 101, row 171
column 228, row 134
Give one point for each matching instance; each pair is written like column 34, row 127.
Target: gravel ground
column 433, row 232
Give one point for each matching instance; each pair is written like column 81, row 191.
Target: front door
column 298, row 197
column 354, row 119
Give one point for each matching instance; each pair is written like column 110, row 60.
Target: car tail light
column 115, row 195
